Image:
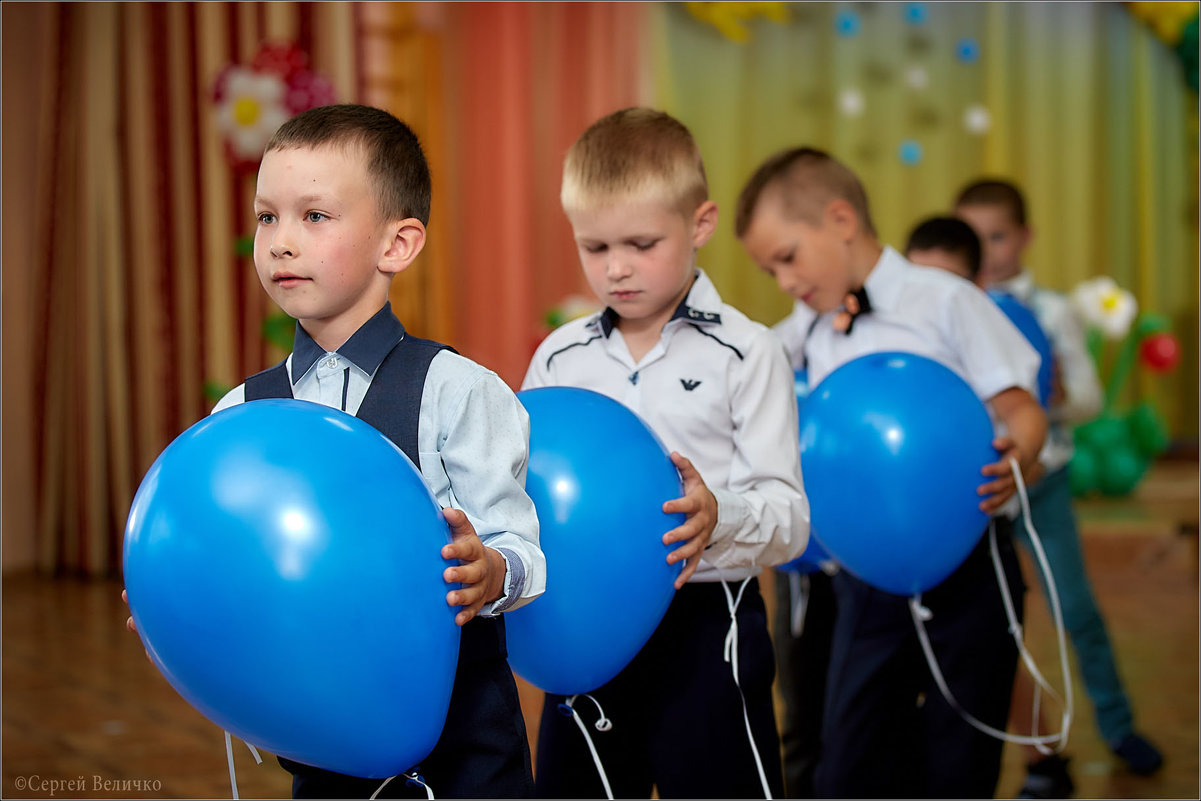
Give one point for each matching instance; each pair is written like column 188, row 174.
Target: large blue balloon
column 891, row 450
column 598, row 477
column 283, row 566
column 1025, row 321
column 810, row 561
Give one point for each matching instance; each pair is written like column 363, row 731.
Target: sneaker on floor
column 1138, row 754
column 1048, row 778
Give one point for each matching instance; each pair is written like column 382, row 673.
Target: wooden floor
column 86, row 715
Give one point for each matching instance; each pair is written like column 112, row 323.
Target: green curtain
column 1088, row 112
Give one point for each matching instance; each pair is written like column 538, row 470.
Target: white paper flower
column 917, row 78
column 250, row 111
column 1105, row 305
column 976, row 119
column 850, row 102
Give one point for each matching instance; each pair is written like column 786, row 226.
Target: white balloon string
column 229, row 757
column 1056, row 608
column 921, row 614
column 602, row 724
column 731, row 656
column 379, row 789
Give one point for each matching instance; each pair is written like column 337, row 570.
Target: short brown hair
column 634, row 152
column 394, row 159
column 950, row 234
column 809, row 179
column 994, row 192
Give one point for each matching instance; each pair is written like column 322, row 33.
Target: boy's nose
column 616, row 268
column 281, row 247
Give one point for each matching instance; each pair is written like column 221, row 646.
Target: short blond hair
column 808, row 179
column 635, row 153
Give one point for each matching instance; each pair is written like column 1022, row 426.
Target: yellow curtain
column 1086, row 110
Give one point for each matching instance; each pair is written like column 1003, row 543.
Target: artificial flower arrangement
column 1114, row 450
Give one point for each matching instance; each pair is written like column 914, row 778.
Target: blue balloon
column 814, row 554
column 283, row 566
column 1025, row 321
column 891, row 450
column 800, row 383
column 810, row 561
column 598, row 477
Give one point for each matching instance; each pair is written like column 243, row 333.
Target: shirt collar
column 365, row 349
column 1021, row 286
column 700, row 305
column 884, row 282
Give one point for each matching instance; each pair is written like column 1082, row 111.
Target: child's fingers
column 686, row 505
column 993, row 503
column 688, row 473
column 471, row 598
column 690, row 546
column 993, row 487
column 466, row 573
column 685, row 574
column 457, row 520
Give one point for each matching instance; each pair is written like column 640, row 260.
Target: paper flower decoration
column 976, row 119
column 1105, row 305
column 728, row 18
column 250, row 112
column 253, row 101
column 850, row 102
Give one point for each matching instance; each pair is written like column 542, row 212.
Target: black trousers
column 677, row 719
column 801, row 666
column 483, row 751
column 888, row 731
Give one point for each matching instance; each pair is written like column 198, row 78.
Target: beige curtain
column 124, row 293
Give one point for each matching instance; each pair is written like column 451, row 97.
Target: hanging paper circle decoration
column 847, row 23
column 967, row 50
column 910, row 152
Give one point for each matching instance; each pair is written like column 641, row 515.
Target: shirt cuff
column 514, row 583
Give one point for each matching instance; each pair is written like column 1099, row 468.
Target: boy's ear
column 408, row 238
column 704, row 223
column 842, row 218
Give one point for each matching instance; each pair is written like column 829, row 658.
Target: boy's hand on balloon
column 1003, row 487
column 700, row 507
column 129, row 624
column 481, row 570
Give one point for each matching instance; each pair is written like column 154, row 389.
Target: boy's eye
column 266, row 218
column 645, row 245
column 595, row 248
column 316, row 216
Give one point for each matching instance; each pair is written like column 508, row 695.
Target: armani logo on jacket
column 689, row 384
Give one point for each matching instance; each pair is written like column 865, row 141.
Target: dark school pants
column 677, row 720
column 888, row 731
column 801, row 666
column 482, row 752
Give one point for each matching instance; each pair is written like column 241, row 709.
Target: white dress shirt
column 473, row 439
column 931, row 313
column 1082, row 395
column 717, row 388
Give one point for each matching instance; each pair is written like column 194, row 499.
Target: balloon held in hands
column 283, row 569
column 892, row 445
column 598, row 477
